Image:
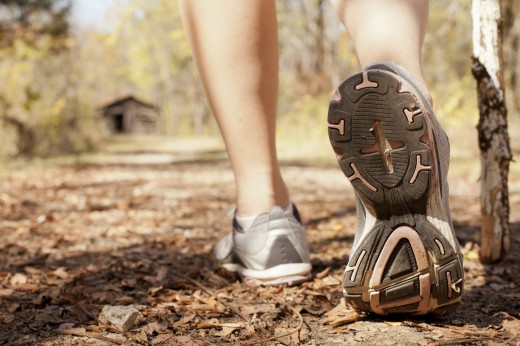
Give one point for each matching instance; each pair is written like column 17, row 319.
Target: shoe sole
column 383, row 139
column 284, row 274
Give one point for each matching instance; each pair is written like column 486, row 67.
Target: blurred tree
column 315, row 55
column 152, row 60
column 492, row 129
column 32, row 19
column 54, row 79
column 447, row 66
column 36, row 100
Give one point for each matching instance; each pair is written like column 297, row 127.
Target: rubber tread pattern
column 398, row 200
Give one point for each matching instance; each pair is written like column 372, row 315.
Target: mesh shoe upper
column 275, row 238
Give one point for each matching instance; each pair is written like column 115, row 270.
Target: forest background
column 131, row 220
column 55, row 75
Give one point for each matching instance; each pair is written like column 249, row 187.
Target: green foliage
column 54, row 82
column 447, row 63
column 38, row 113
column 447, row 68
column 31, row 19
column 307, row 120
column 152, row 59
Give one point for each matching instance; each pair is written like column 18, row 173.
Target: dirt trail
column 76, row 238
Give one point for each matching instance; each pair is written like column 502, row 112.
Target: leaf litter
column 78, row 238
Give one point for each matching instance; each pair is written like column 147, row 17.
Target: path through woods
column 75, row 238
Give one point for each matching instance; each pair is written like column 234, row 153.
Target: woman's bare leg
column 387, row 30
column 235, row 44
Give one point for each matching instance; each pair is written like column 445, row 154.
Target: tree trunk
column 495, row 153
column 26, row 141
column 511, row 44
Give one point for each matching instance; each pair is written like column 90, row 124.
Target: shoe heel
column 407, row 271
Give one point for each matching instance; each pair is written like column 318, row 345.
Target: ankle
column 256, row 198
column 259, row 204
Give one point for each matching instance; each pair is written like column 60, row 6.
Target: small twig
column 466, row 332
column 213, row 294
column 323, row 273
column 416, row 326
column 295, row 330
column 91, row 335
column 503, row 313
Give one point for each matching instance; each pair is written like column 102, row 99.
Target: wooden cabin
column 130, row 115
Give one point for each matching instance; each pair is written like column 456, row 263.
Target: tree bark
column 495, row 152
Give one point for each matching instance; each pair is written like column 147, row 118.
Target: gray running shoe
column 272, row 251
column 405, row 257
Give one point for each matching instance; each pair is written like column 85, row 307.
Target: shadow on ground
column 75, row 239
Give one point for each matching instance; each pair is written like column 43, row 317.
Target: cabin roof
column 127, row 99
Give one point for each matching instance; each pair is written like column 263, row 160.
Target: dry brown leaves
column 75, row 239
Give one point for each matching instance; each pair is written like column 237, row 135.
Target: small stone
column 120, row 316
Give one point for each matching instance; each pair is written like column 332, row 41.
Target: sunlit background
column 114, row 183
column 62, row 66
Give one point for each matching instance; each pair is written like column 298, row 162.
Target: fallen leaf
column 331, row 281
column 185, row 319
column 60, row 273
column 12, row 307
column 32, row 270
column 161, row 273
column 340, row 315
column 155, row 327
column 167, row 296
column 314, row 293
column 153, row 290
column 6, row 292
column 226, row 331
column 259, row 309
column 102, row 297
column 8, row 318
column 250, row 330
column 184, row 340
column 163, row 339
column 28, row 287
column 513, row 327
